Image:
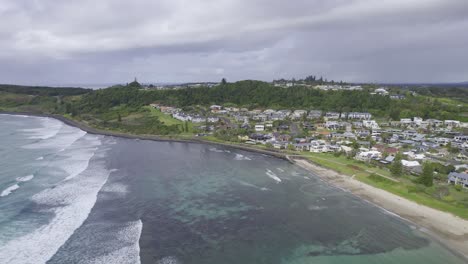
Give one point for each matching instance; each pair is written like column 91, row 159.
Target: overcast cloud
column 111, row 41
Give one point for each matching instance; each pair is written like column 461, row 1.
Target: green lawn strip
column 405, row 188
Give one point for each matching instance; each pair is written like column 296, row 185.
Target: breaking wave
column 9, row 190
column 273, row 176
column 241, row 157
column 69, row 203
column 25, row 178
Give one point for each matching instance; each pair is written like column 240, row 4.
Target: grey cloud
column 86, row 41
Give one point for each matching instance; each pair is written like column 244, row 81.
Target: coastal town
column 355, row 135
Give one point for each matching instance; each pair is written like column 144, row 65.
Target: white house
column 410, row 164
column 381, row 91
column 299, row 114
column 406, row 121
column 452, row 123
column 370, row 124
column 368, row 155
column 259, row 127
column 357, row 115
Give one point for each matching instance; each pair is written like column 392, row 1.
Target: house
column 458, row 179
column 216, row 108
column 314, row 114
column 387, row 160
column 462, row 157
column 409, row 164
column 302, row 146
column 318, row 146
column 332, row 125
column 452, row 123
column 213, row 119
column 245, row 125
column 397, row 97
column 414, row 156
column 259, row 137
column 435, row 122
column 332, row 115
column 370, row 124
column 381, row 91
column 368, row 155
column 358, row 115
column 260, row 117
column 279, row 144
column 259, row 127
column 346, row 149
column 406, row 121
column 417, row 121
column 298, row 114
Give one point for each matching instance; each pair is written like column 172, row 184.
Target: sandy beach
column 447, row 228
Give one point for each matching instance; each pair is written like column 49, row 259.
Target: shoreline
column 449, row 230
column 96, row 131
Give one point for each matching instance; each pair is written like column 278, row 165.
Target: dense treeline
column 43, row 90
column 250, row 94
column 254, row 94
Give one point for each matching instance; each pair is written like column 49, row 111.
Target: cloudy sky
column 112, row 41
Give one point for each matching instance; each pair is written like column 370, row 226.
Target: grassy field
column 441, row 196
column 169, row 120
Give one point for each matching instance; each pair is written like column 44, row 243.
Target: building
column 357, row 115
column 370, row 124
column 259, row 128
column 458, row 179
column 381, row 91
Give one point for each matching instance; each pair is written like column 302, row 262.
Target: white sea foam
column 215, row 150
column 64, row 138
column 128, row 235
column 115, row 188
column 316, row 207
column 273, row 176
column 40, row 158
column 280, row 169
column 241, row 157
column 253, row 186
column 9, row 190
column 70, row 202
column 168, row 260
column 49, row 128
column 25, row 178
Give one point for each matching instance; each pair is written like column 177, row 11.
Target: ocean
column 71, row 197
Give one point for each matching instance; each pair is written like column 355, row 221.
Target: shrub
column 458, row 188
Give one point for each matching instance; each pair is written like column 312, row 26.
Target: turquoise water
column 96, row 199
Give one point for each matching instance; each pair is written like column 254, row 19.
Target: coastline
column 96, row 131
column 449, row 230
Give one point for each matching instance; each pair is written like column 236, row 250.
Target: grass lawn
column 451, row 201
column 169, row 120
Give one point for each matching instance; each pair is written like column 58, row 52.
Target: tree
column 269, row 145
column 119, row 117
column 186, row 126
column 397, row 168
column 223, row 81
column 427, row 176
